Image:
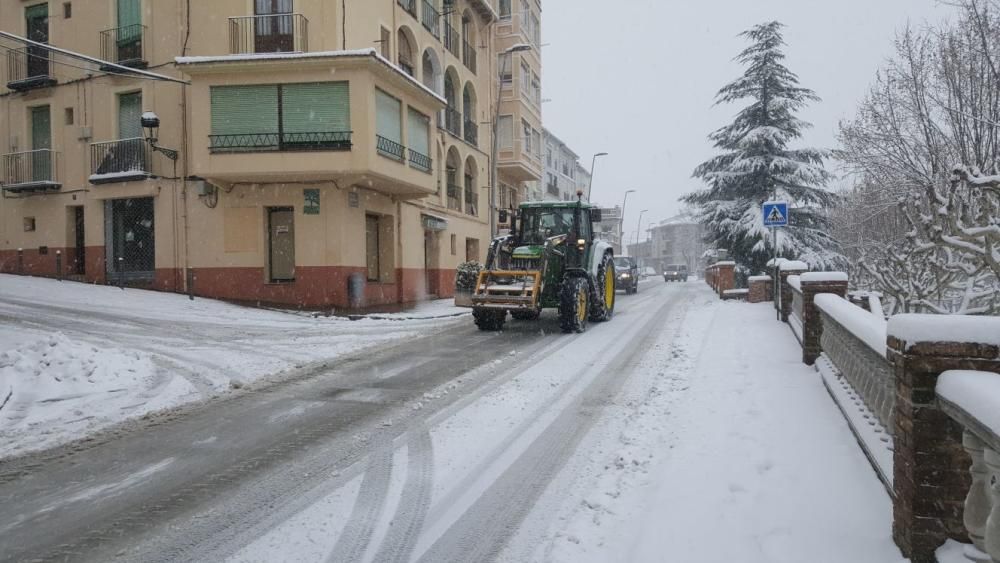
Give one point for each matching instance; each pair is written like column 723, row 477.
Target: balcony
column 452, row 40
column 287, row 142
column 454, row 197
column 279, row 33
column 471, row 132
column 420, row 161
column 431, row 19
column 469, row 56
column 519, row 162
column 389, row 148
column 125, row 46
column 29, row 68
column 453, row 121
column 471, row 203
column 409, row 5
column 120, row 161
column 30, row 171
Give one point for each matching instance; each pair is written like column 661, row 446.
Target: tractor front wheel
column 602, row 306
column 489, row 319
column 574, row 305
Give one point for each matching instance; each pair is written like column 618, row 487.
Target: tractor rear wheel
column 489, row 319
column 602, row 306
column 574, row 302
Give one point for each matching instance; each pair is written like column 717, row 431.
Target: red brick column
column 930, row 468
column 793, row 269
column 814, row 283
column 760, row 289
column 725, row 277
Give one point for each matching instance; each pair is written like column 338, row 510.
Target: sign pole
column 777, row 271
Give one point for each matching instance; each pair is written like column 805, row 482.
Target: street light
column 638, row 227
column 506, row 56
column 621, row 223
column 592, row 162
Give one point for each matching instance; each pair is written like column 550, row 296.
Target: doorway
column 273, row 29
column 131, row 244
column 281, row 244
column 79, row 267
column 37, row 25
column 431, row 263
column 41, row 144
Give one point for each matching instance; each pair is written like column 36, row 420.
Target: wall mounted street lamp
column 506, row 56
column 593, row 161
column 151, row 123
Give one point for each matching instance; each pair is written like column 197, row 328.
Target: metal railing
column 37, row 168
column 471, row 202
column 265, row 142
column 277, row 33
column 125, row 45
column 453, row 121
column 409, row 5
column 431, row 19
column 454, row 197
column 420, row 161
column 452, row 40
column 29, row 67
column 471, row 132
column 389, row 148
column 123, row 158
column 469, row 56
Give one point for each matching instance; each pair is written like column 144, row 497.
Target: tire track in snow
column 409, row 518
column 353, row 541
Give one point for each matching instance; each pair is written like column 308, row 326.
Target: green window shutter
column 388, row 117
column 129, row 12
column 418, row 126
column 321, row 107
column 242, row 110
column 41, row 128
column 130, row 115
column 36, row 12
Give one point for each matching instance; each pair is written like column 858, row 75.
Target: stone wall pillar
column 814, row 283
column 725, row 277
column 930, row 467
column 786, row 290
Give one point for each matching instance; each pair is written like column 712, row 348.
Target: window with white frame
column 505, row 132
column 525, row 78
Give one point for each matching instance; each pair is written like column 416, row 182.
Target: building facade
column 316, row 157
column 677, row 240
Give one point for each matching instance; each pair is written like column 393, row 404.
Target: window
column 386, row 44
column 548, row 156
column 130, row 115
column 373, row 247
column 454, row 245
column 527, row 135
column 525, row 78
column 536, row 89
column 419, row 133
column 536, row 30
column 536, row 142
column 472, row 250
column 67, row 10
column 505, row 9
column 525, row 20
column 506, row 73
column 68, row 116
column 313, row 116
column 388, row 125
column 505, row 132
column 29, row 224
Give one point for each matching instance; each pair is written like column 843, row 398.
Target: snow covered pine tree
column 756, row 165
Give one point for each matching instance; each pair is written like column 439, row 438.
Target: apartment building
column 677, row 240
column 320, row 153
column 561, row 169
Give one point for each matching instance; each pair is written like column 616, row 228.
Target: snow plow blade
column 507, row 289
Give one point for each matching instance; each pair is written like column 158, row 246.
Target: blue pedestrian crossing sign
column 776, row 214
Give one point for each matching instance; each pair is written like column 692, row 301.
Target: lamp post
column 506, row 56
column 593, row 161
column 621, row 223
column 638, row 227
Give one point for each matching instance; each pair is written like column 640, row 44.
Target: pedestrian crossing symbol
column 775, row 214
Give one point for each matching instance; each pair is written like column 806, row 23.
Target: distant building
column 678, row 240
column 609, row 227
column 560, row 179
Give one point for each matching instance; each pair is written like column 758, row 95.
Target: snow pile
column 871, row 329
column 817, row 277
column 914, row 328
column 975, row 392
column 793, row 265
column 55, row 386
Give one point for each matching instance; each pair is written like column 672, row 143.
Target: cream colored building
column 323, row 158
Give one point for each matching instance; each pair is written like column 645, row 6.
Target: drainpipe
column 399, row 250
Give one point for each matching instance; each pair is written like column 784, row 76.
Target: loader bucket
column 511, row 290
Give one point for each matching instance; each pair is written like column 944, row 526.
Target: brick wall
column 760, row 289
column 812, row 322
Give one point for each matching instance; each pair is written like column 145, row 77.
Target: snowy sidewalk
column 744, row 458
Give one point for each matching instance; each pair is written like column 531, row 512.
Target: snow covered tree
column 756, row 165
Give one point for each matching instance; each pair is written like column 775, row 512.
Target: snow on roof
column 824, row 277
column 975, row 392
column 869, row 328
column 369, row 52
column 792, row 265
column 914, row 328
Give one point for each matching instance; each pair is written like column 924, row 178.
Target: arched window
column 405, row 53
column 469, row 114
column 471, row 195
column 453, row 119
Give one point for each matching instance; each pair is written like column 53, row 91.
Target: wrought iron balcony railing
column 30, row 67
column 121, row 160
column 431, row 19
column 452, row 40
column 471, row 202
column 469, row 56
column 420, row 161
column 30, row 170
column 454, row 197
column 471, row 132
column 409, row 5
column 289, row 142
column 125, row 45
column 276, row 33
column 453, row 121
column 389, row 148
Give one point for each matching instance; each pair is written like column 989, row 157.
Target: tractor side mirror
column 595, row 215
column 503, row 216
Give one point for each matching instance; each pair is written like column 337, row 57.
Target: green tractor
column 549, row 260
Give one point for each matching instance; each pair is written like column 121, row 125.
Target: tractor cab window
column 540, row 224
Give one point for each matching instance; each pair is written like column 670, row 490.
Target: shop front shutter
column 245, row 110
column 419, row 126
column 320, row 107
column 388, row 117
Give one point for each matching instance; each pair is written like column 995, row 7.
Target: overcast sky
column 637, row 79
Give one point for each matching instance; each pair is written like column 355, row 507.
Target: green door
column 130, row 115
column 129, row 42
column 37, row 23
column 41, row 144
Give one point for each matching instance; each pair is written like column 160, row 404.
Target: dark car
column 626, row 274
column 675, row 272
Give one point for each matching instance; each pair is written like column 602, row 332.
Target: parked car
column 626, row 274
column 675, row 272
